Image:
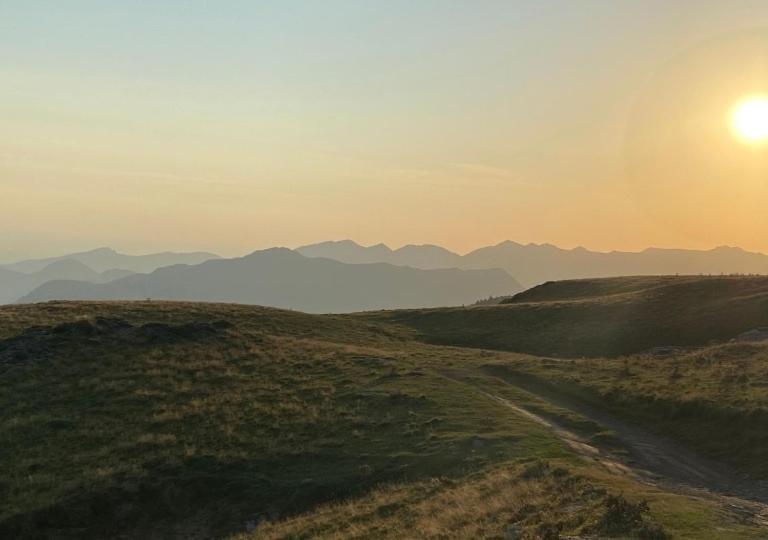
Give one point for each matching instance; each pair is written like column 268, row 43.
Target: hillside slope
column 601, row 317
column 286, row 279
column 190, row 420
column 687, row 395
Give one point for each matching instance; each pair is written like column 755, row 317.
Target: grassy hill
column 189, row 420
column 600, row 317
column 715, row 398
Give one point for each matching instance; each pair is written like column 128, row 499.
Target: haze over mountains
column 424, row 256
column 280, row 277
column 103, row 259
column 533, row 264
column 345, row 276
column 15, row 284
column 96, row 266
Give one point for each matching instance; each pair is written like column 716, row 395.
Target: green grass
column 714, row 399
column 599, row 317
column 308, row 425
column 533, row 499
column 198, row 438
column 525, row 500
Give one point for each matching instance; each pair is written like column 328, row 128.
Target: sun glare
column 750, row 119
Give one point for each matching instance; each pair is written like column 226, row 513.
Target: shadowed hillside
column 602, row 317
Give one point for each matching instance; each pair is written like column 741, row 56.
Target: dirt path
column 650, row 458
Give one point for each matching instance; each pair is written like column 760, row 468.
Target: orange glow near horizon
column 258, row 125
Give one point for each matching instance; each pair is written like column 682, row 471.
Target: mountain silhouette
column 103, row 259
column 426, row 257
column 66, row 269
column 14, row 285
column 533, row 264
column 283, row 278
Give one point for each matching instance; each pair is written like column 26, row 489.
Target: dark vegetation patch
column 46, row 341
column 621, row 518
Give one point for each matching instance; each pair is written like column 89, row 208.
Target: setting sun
column 750, row 119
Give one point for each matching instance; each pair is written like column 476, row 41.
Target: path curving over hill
column 649, row 458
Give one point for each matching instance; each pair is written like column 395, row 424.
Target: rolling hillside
column 283, row 278
column 601, row 317
column 161, row 419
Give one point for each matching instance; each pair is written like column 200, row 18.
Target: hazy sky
column 237, row 125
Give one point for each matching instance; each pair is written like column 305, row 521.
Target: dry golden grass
column 530, row 501
column 278, row 416
column 104, row 436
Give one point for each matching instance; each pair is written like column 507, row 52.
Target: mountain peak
column 731, row 249
column 274, row 251
column 509, row 243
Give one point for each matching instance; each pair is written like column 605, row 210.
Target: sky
column 231, row 126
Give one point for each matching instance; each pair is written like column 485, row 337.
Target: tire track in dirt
column 651, row 459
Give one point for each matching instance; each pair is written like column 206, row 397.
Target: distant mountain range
column 533, row 264
column 345, row 276
column 283, row 278
column 426, row 257
column 96, row 266
column 103, row 259
column 16, row 284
